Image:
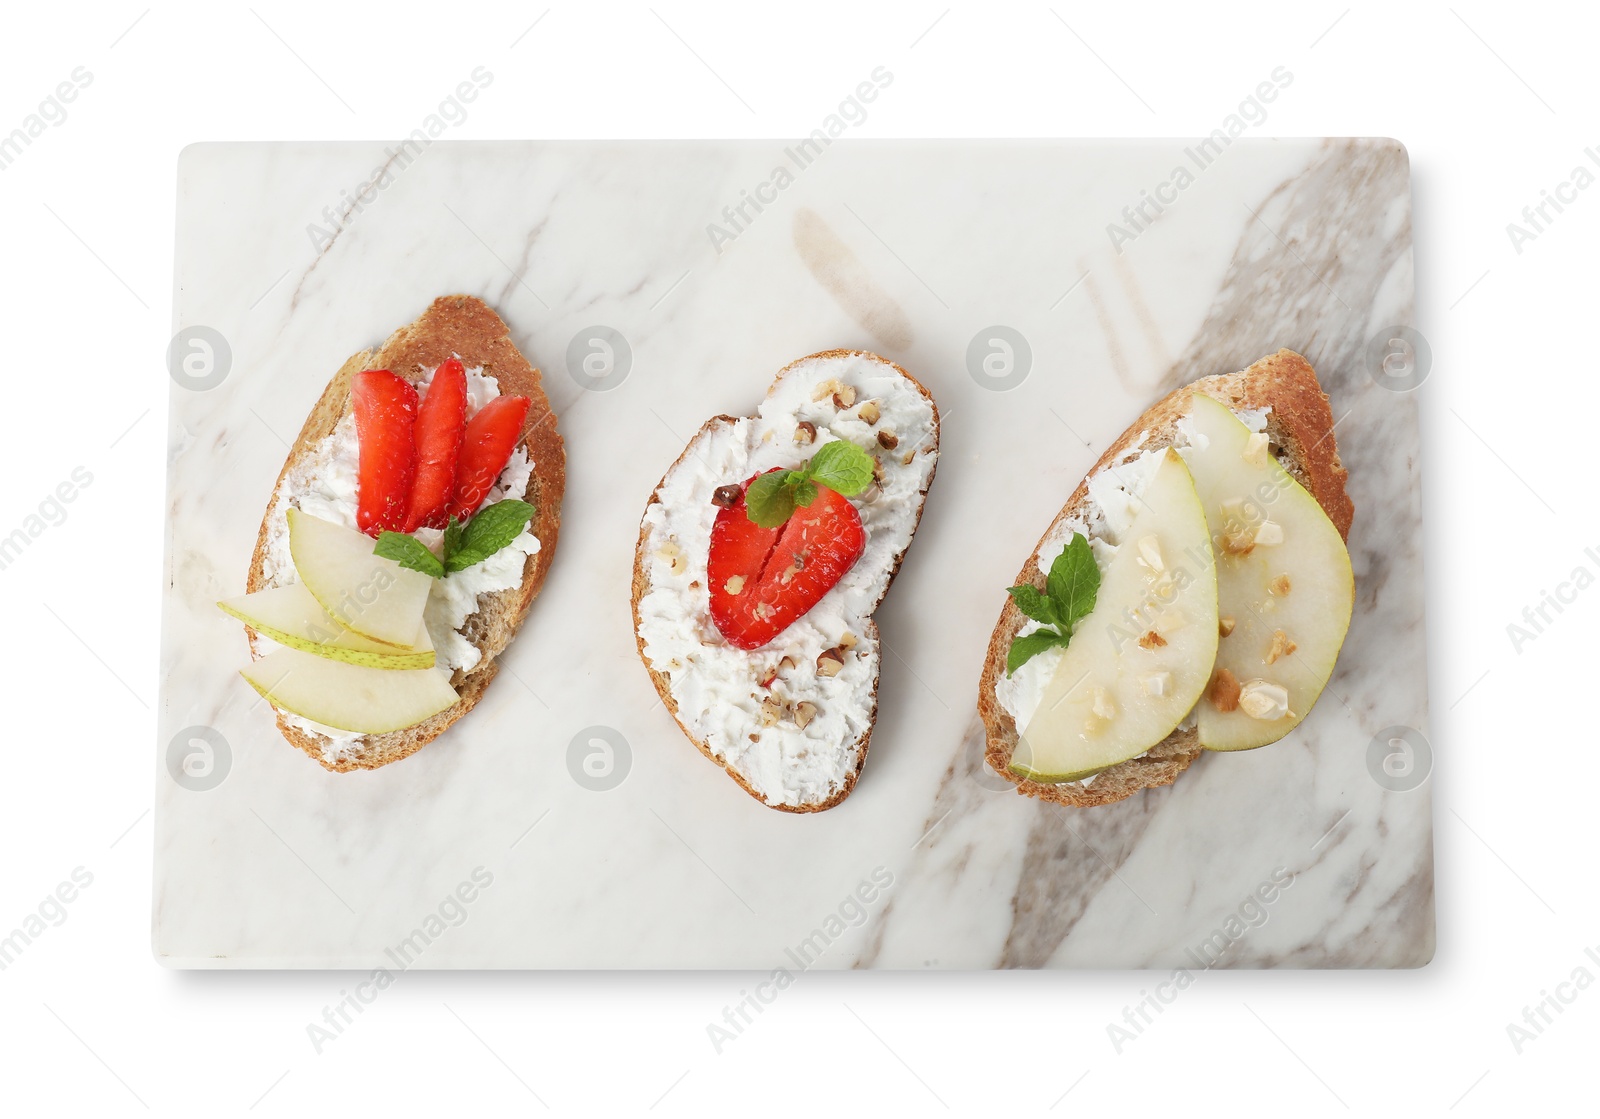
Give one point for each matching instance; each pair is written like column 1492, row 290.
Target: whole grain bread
column 1300, row 427
column 642, row 584
column 466, row 327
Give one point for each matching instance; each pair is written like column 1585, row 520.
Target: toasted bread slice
column 715, row 691
column 1299, row 424
column 453, row 325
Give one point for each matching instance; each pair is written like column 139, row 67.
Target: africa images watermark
column 1542, row 1014
column 452, row 112
column 50, row 512
column 49, row 913
column 1537, row 219
column 52, row 112
column 851, row 113
column 450, row 913
column 851, row 912
column 1249, row 914
column 1552, row 604
column 1252, row 111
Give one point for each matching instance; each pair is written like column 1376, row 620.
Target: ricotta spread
column 323, row 484
column 717, row 686
column 1113, row 496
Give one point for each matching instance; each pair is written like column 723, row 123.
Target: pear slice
column 1283, row 580
column 349, row 697
column 290, row 616
column 366, row 593
column 1140, row 660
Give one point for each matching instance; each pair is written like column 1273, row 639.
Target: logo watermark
column 48, row 914
column 51, row 113
column 49, row 513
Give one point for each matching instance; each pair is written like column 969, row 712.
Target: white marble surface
column 909, row 248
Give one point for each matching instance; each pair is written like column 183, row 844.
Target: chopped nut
column 694, row 584
column 826, row 389
column 888, row 440
column 869, row 412
column 766, row 681
column 797, row 564
column 1150, row 553
column 1255, row 448
column 1156, row 683
column 770, row 712
column 1269, row 533
column 905, row 459
column 734, row 585
column 673, row 555
column 1261, row 700
column 726, row 497
column 766, row 436
column 1225, row 625
column 764, row 610
column 844, row 397
column 1239, row 542
column 805, row 432
column 1225, row 691
column 1279, row 586
column 1281, row 646
column 804, row 712
column 1233, row 509
column 877, row 470
column 1151, row 640
column 1102, row 705
column 847, row 640
column 830, row 662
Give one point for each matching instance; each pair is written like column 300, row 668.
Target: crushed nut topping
column 1281, row 646
column 1238, row 543
column 805, row 432
column 1225, row 691
column 1150, row 553
column 1269, row 533
column 830, row 662
column 674, row 557
column 905, row 459
column 797, row 564
column 764, row 610
column 771, row 711
column 1156, row 683
column 804, row 712
column 726, row 497
column 734, row 585
column 869, row 412
column 1102, row 705
column 1225, row 625
column 826, row 389
column 1151, row 640
column 844, row 397
column 1279, row 586
column 1261, row 700
column 888, row 440
column 1255, row 448
column 847, row 640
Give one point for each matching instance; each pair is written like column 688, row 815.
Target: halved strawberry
column 762, row 580
column 441, row 423
column 490, row 438
column 385, row 408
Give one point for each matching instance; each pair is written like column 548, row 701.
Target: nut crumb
column 869, row 412
column 1279, row 586
column 1281, row 646
column 804, row 712
column 805, row 432
column 726, row 497
column 847, row 641
column 888, row 440
column 1225, row 691
column 734, row 585
column 826, row 389
column 764, row 610
column 673, row 556
column 797, row 564
column 1225, row 625
column 1151, row 640
column 844, row 397
column 905, row 459
column 830, row 662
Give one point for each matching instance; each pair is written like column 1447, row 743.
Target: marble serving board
column 1036, row 290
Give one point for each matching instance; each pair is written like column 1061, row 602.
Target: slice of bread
column 715, row 691
column 461, row 326
column 1299, row 424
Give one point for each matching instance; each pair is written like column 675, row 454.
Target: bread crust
column 641, row 587
column 1301, row 424
column 464, row 326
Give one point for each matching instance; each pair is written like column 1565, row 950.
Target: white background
column 1495, row 105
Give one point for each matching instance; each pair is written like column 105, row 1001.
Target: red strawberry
column 779, row 573
column 490, row 438
column 385, row 407
column 441, row 422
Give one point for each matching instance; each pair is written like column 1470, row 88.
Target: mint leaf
column 805, row 493
column 452, row 538
column 841, row 466
column 1073, row 582
column 770, row 499
column 1024, row 649
column 409, row 552
column 1032, row 602
column 493, row 528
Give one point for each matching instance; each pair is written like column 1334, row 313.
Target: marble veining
column 911, row 248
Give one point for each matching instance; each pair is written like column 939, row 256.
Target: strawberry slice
column 762, row 580
column 490, row 438
column 385, row 408
column 441, row 423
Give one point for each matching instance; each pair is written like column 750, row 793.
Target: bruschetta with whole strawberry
column 762, row 556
